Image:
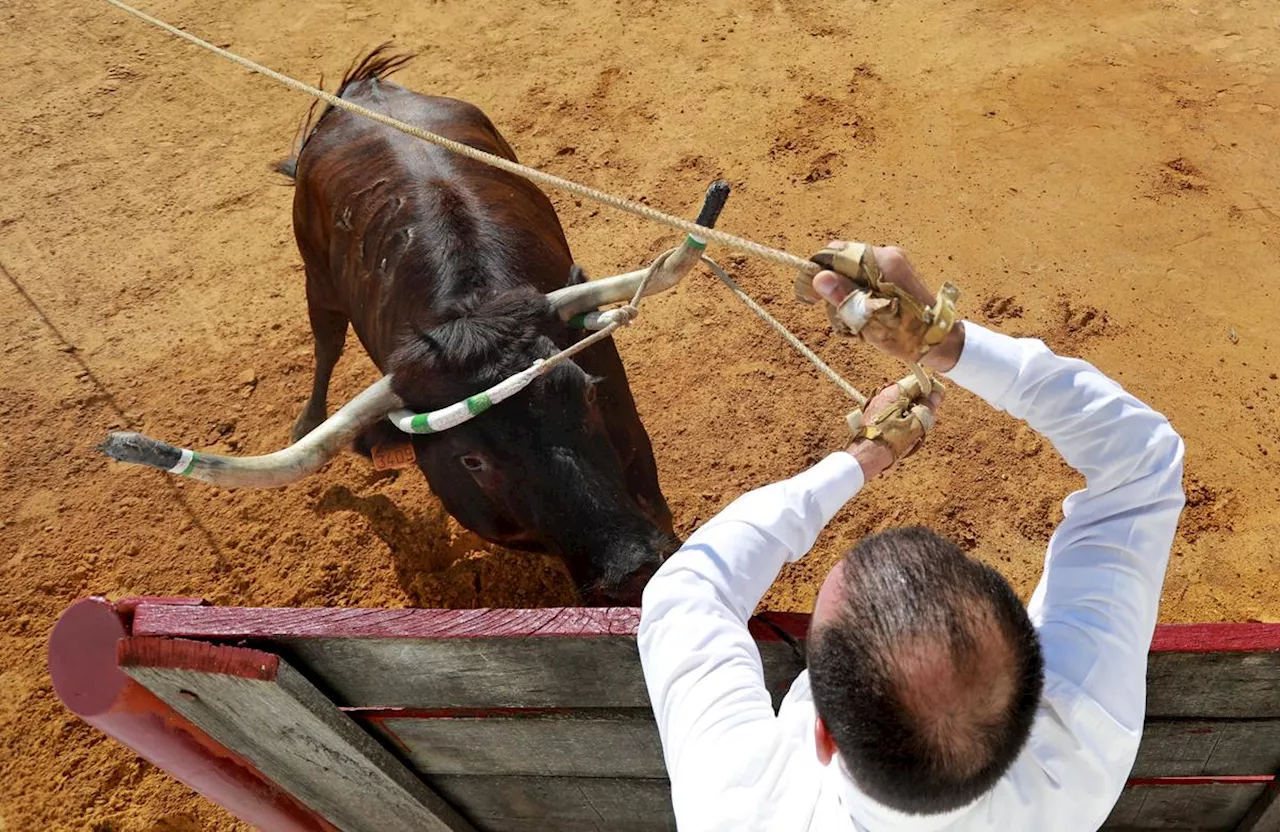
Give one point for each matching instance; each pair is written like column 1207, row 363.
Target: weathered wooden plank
column 1237, row 685
column 604, row 672
column 594, row 743
column 526, row 825
column 1208, row 808
column 256, row 704
column 1264, row 814
column 604, row 801
column 582, row 743
column 599, row 672
column 596, row 672
column 1197, row 747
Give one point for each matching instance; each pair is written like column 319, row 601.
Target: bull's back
column 380, row 214
column 345, row 147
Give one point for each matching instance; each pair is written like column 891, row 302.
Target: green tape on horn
column 577, row 321
column 195, row 457
column 479, row 403
column 421, row 423
column 694, row 243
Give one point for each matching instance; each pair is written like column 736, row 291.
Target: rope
column 701, row 232
column 774, row 255
column 565, row 354
column 796, row 343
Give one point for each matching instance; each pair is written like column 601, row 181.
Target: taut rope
column 628, row 312
column 775, row 255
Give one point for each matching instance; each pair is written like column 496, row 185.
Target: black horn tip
column 127, row 446
column 713, row 203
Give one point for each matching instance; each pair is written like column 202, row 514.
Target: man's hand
column 877, row 455
column 896, row 269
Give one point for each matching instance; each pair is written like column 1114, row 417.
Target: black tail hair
column 379, row 63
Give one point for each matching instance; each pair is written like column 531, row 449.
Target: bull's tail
column 379, row 63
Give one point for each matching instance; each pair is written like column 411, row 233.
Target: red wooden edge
column 248, row 623
column 82, row 662
column 1225, row 780
column 185, row 654
column 357, row 622
column 1216, row 638
column 152, row 619
column 378, row 714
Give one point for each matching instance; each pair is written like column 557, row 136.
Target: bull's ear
column 576, row 275
column 544, row 347
column 381, row 432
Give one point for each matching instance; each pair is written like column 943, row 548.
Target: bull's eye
column 473, row 462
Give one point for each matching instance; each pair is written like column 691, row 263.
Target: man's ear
column 822, row 740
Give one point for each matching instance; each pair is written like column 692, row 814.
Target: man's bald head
column 925, row 669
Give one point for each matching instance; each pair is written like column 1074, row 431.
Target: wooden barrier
column 516, row 720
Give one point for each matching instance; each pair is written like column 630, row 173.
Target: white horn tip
column 137, row 449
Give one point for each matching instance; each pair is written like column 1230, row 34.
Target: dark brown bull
column 456, row 275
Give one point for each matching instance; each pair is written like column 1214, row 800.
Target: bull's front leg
column 329, row 328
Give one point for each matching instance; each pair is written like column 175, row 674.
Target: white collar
column 874, row 816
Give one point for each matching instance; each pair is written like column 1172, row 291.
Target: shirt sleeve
column 1096, row 605
column 701, row 665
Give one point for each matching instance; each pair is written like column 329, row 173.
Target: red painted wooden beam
column 152, row 619
column 1216, row 638
column 82, row 662
column 1225, row 780
column 159, row 619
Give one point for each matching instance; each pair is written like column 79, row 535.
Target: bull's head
column 537, row 472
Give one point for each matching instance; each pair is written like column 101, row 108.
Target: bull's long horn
column 668, row 269
column 301, row 459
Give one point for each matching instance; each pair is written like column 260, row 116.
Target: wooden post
column 82, row 663
column 255, row 703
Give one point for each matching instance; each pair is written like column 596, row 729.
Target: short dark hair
column 929, row 673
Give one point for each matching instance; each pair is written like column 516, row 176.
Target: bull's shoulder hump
column 415, row 107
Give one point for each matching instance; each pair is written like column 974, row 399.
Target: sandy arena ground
column 1098, row 174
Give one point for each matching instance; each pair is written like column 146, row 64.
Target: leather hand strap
column 880, row 306
column 901, row 426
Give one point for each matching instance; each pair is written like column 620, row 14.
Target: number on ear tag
column 389, row 455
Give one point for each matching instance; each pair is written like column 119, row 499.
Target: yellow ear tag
column 399, row 454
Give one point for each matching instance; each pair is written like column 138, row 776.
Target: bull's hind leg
column 330, row 331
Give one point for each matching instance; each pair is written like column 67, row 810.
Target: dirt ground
column 1098, row 174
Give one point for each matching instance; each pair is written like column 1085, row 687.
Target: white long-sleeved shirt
column 735, row 765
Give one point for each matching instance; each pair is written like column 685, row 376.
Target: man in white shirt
column 932, row 699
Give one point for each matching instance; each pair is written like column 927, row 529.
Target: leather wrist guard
column 903, row 425
column 879, row 306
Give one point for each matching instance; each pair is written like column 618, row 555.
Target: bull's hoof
column 306, row 423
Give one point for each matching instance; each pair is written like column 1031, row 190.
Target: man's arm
column 1096, row 605
column 1097, row 602
column 703, row 671
column 700, row 663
